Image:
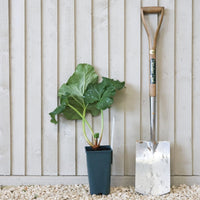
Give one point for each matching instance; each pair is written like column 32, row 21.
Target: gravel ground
column 73, row 192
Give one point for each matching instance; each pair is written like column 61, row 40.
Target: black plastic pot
column 99, row 169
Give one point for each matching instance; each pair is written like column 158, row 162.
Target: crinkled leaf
column 78, row 83
column 64, row 100
column 70, row 114
column 94, row 93
column 64, row 109
column 102, row 93
column 93, row 110
column 82, row 77
column 57, row 111
column 114, row 83
column 63, row 90
column 73, row 91
column 104, row 103
column 109, row 92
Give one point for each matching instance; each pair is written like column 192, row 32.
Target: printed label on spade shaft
column 153, row 71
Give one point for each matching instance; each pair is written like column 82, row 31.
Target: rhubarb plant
column 83, row 94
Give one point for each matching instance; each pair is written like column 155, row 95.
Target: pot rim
column 107, row 148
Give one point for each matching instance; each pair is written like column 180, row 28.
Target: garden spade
column 152, row 157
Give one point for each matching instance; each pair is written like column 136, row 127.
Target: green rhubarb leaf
column 94, row 93
column 73, row 91
column 82, row 77
column 102, row 93
column 104, row 103
column 57, row 111
column 63, row 90
column 70, row 114
column 114, row 83
column 78, row 83
column 93, row 110
column 82, row 91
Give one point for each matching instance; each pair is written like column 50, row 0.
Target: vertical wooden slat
column 196, row 84
column 152, row 25
column 100, row 56
column 4, row 90
column 165, row 77
column 83, row 55
column 33, row 87
column 117, row 72
column 132, row 83
column 17, row 25
column 49, row 84
column 183, row 137
column 67, row 161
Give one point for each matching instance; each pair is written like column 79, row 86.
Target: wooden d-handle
column 152, row 10
column 152, row 48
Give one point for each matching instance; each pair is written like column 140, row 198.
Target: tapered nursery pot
column 99, row 169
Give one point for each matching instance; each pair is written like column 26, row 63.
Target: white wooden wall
column 42, row 41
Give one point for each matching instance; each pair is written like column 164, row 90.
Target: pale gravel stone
column 81, row 192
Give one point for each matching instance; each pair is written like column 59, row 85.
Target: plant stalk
column 83, row 118
column 84, row 132
column 83, row 125
column 102, row 126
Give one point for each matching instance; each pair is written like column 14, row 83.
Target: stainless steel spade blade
column 152, row 168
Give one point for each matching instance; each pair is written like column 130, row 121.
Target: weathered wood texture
column 49, row 86
column 33, row 88
column 195, row 88
column 48, row 38
column 183, row 88
column 117, row 67
column 17, row 53
column 66, row 57
column 5, row 158
column 132, row 79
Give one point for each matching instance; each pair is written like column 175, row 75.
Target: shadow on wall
column 128, row 100
column 125, row 100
